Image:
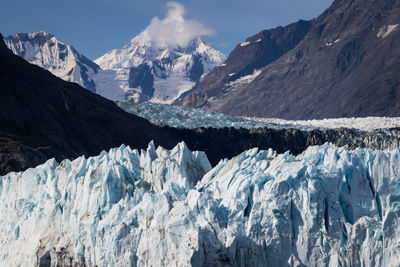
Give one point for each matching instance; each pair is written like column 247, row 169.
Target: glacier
column 191, row 118
column 327, row 206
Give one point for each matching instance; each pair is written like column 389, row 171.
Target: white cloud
column 176, row 29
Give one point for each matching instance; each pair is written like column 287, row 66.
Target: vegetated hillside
column 344, row 63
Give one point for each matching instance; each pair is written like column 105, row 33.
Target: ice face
column 328, row 206
column 93, row 210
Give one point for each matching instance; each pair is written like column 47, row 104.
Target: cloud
column 175, row 29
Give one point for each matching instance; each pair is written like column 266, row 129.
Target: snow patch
column 244, row 80
column 113, row 84
column 244, row 44
column 169, row 89
column 385, row 30
column 332, row 43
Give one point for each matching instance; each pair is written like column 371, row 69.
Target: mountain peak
column 40, row 36
column 45, row 50
column 142, row 70
column 159, row 72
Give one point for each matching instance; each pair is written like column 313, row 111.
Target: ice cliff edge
column 327, row 206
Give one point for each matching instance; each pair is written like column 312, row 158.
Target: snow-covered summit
column 165, row 60
column 160, row 72
column 328, row 206
column 45, row 50
column 142, row 49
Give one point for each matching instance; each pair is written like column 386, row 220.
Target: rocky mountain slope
column 62, row 60
column 328, row 206
column 344, row 63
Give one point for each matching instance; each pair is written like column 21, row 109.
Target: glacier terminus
column 328, row 206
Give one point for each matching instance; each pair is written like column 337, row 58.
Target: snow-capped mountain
column 157, row 72
column 45, row 50
column 143, row 70
column 328, row 206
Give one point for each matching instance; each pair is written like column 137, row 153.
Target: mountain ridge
column 345, row 66
column 138, row 72
column 45, row 50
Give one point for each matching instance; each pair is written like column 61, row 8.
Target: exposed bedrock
column 229, row 142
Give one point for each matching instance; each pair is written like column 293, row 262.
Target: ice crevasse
column 328, row 206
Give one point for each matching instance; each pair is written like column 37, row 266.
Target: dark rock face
column 161, row 66
column 42, row 116
column 344, row 63
column 142, row 76
column 263, row 48
column 229, row 142
column 197, row 69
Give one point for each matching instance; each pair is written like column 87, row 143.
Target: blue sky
column 94, row 27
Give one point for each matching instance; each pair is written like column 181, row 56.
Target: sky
column 94, row 27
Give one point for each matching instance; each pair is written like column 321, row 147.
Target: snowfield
column 186, row 117
column 328, row 206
